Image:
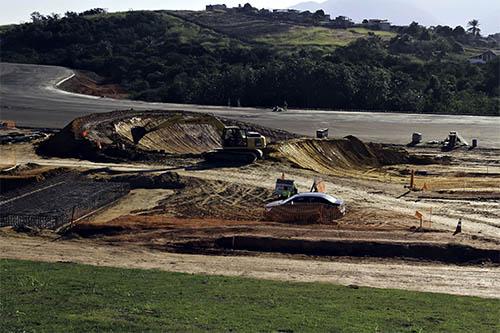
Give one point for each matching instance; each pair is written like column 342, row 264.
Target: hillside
column 253, row 57
column 262, row 27
column 403, row 12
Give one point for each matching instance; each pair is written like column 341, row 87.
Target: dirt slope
column 328, row 156
column 173, row 139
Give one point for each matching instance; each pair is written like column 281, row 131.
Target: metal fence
column 57, row 201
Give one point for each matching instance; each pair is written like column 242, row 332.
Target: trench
column 447, row 253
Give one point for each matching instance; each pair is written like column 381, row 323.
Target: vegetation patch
column 65, row 297
column 307, row 36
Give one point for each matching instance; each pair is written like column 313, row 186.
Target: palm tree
column 474, row 27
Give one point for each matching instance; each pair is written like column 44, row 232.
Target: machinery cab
column 235, row 137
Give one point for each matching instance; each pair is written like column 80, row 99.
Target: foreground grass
column 68, row 297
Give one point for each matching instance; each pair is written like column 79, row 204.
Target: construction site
column 177, row 181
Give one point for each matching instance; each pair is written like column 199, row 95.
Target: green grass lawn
column 61, row 297
column 307, row 36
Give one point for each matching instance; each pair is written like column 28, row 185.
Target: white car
column 297, row 206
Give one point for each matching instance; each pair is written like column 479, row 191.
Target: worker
column 459, row 227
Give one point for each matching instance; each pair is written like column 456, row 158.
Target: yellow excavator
column 238, row 144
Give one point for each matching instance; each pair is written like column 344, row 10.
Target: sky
column 449, row 12
column 16, row 11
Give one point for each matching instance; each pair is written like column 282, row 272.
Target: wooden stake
column 430, row 218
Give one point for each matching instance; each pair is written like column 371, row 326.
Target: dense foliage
column 158, row 57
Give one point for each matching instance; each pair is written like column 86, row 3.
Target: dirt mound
column 348, row 153
column 110, row 134
column 166, row 180
column 106, row 136
column 175, row 138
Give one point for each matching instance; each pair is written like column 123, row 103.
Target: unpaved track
column 28, row 96
column 450, row 279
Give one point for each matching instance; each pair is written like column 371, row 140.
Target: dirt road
column 459, row 280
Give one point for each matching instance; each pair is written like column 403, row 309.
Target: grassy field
column 66, row 297
column 304, row 36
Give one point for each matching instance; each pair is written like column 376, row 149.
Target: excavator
column 238, row 144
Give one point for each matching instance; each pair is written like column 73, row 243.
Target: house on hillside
column 377, row 24
column 342, row 22
column 215, row 7
column 485, row 57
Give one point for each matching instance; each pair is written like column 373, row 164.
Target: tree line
column 158, row 57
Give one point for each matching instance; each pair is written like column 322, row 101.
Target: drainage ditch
column 449, row 253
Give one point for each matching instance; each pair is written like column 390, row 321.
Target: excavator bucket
column 138, row 133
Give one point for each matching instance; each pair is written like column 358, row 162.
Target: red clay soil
column 168, row 232
column 87, row 84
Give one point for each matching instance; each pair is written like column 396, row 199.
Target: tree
column 319, row 14
column 474, row 27
column 247, row 7
column 36, row 17
column 458, row 31
column 425, row 35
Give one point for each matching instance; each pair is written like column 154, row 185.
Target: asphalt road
column 28, row 95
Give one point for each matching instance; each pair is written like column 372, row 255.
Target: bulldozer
column 238, row 145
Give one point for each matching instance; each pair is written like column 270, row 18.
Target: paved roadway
column 28, row 95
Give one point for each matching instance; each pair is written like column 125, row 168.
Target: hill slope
column 403, row 12
column 216, row 58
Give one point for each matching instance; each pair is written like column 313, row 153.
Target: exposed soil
column 89, row 83
column 219, row 210
column 326, row 156
column 108, row 136
column 429, row 277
